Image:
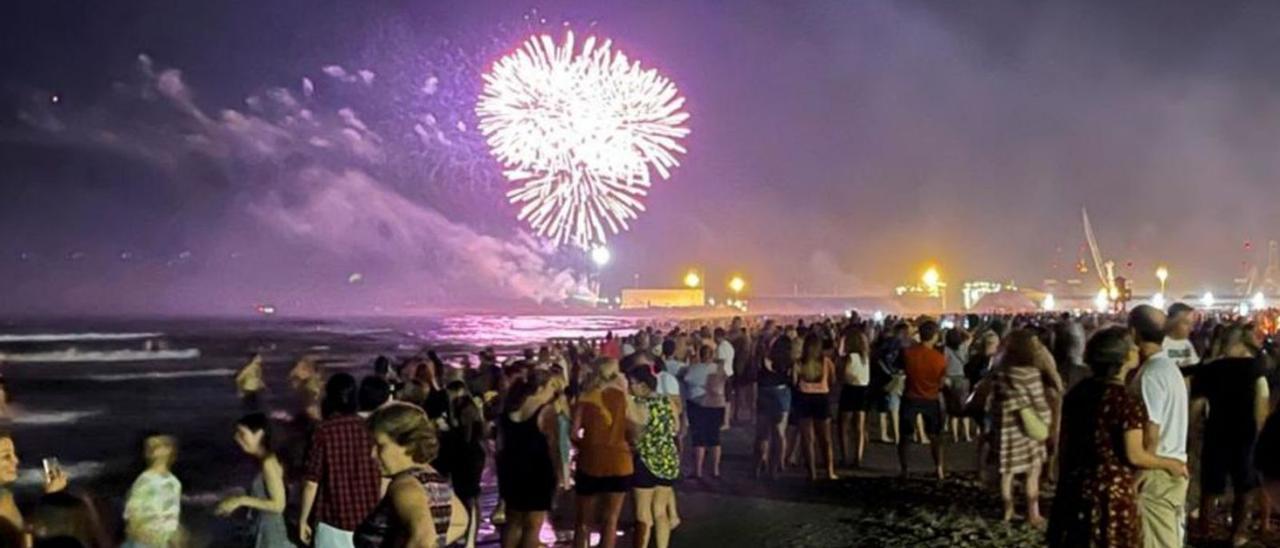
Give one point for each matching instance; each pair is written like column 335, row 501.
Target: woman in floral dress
column 657, row 462
column 1102, row 451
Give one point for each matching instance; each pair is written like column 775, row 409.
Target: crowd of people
column 1138, row 422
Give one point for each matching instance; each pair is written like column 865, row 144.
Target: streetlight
column 737, row 284
column 1101, row 301
column 692, row 280
column 933, row 282
column 601, row 256
column 1162, row 274
column 931, row 278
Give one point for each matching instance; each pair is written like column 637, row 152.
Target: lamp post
column 933, row 282
column 1162, row 274
column 692, row 280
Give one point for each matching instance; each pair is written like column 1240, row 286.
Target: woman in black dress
column 526, row 460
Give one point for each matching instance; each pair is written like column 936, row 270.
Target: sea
column 86, row 391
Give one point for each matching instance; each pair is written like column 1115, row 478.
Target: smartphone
column 51, row 466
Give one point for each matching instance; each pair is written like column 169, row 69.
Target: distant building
column 663, row 298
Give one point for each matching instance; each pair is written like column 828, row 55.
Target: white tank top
column 856, row 371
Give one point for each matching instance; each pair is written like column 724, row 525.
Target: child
column 151, row 511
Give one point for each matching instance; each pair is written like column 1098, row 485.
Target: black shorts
column 1221, row 460
column 704, row 424
column 587, row 485
column 853, row 398
column 929, row 409
column 772, row 402
column 813, row 406
column 645, row 479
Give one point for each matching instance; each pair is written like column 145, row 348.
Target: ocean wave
column 66, row 356
column 57, row 337
column 355, row 331
column 149, row 375
column 48, row 418
column 74, row 470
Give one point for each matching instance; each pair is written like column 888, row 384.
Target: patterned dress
column 1017, row 388
column 1096, row 502
column 657, row 445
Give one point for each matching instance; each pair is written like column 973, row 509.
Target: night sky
column 203, row 157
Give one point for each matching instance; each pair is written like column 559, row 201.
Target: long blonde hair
column 811, row 361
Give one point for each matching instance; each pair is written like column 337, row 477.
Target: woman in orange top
column 603, row 421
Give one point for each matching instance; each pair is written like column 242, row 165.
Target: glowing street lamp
column 931, row 278
column 1049, row 303
column 601, row 256
column 1157, row 300
column 692, row 280
column 1101, row 301
column 737, row 284
column 1162, row 274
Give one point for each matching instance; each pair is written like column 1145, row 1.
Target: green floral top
column 657, row 445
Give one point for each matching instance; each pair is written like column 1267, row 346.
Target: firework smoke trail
column 579, row 132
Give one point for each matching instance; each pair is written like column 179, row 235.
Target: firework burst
column 579, row 131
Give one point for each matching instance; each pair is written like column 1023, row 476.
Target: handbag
column 897, row 384
column 1035, row 428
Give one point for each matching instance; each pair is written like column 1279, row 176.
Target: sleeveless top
column 657, row 445
column 383, row 528
column 269, row 527
column 820, row 386
column 857, row 372
column 524, row 444
column 604, row 451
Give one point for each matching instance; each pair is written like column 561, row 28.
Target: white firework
column 579, row 132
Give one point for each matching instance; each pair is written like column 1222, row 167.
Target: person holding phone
column 267, row 494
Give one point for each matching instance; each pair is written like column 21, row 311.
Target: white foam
column 116, row 377
column 74, row 470
column 46, row 418
column 70, row 356
column 54, row 337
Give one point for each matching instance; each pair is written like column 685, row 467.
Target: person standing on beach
column 527, row 458
column 603, row 419
column 705, row 382
column 266, row 497
column 725, row 354
column 1018, row 387
column 925, row 369
column 1177, row 340
column 813, row 378
column 1162, row 496
column 342, row 481
column 249, row 384
column 657, row 463
column 773, row 403
column 152, row 510
column 855, row 374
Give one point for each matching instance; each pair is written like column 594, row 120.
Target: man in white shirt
column 1162, row 496
column 724, row 355
column 1177, row 339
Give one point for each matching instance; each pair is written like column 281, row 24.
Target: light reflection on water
column 496, row 330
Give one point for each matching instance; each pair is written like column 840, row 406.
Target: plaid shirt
column 341, row 462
